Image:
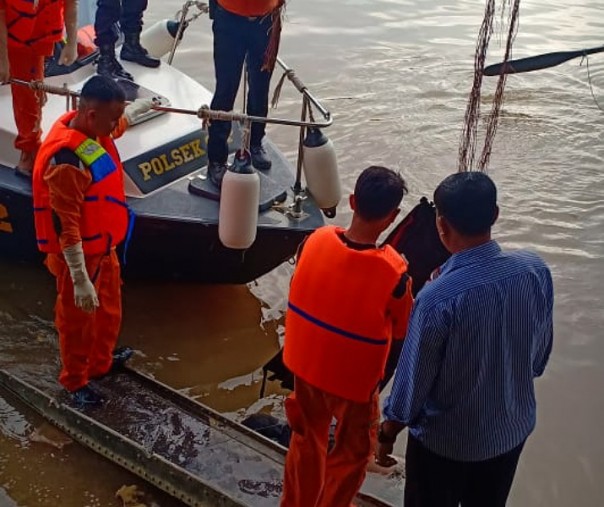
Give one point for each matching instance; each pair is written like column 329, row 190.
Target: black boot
column 132, row 51
column 107, row 64
column 260, row 159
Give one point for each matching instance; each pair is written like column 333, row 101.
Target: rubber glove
column 69, row 53
column 83, row 291
column 136, row 109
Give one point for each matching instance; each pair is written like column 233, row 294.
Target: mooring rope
column 591, row 87
column 469, row 135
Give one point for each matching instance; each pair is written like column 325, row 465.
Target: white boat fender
column 321, row 171
column 158, row 39
column 239, row 202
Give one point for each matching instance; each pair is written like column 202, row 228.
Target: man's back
column 478, row 336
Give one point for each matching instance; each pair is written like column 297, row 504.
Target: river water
column 396, row 74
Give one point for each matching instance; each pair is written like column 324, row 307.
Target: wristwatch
column 384, row 438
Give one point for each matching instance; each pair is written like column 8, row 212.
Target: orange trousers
column 314, row 477
column 87, row 340
column 27, row 104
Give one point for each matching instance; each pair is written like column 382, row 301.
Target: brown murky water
column 396, row 75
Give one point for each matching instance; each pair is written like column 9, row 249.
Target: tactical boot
column 107, row 64
column 132, row 51
column 260, row 158
column 216, row 172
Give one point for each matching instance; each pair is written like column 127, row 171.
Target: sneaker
column 121, row 355
column 216, row 172
column 260, row 158
column 86, row 397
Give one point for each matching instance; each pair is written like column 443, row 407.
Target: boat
column 176, row 208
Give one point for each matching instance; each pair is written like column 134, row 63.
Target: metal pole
column 181, row 29
column 303, row 89
column 298, row 182
column 230, row 116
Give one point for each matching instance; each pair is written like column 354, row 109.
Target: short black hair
column 102, row 89
column 468, row 201
column 378, row 192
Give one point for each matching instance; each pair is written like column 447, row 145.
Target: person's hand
column 69, row 53
column 136, row 109
column 383, row 455
column 84, row 293
column 4, row 68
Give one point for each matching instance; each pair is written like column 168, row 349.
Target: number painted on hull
column 5, row 225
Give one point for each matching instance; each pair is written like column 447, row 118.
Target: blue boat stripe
column 89, row 198
column 40, row 209
column 42, row 241
column 334, row 329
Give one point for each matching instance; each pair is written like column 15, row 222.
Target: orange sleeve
column 122, row 125
column 67, row 185
column 400, row 311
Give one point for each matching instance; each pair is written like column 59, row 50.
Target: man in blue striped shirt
column 479, row 334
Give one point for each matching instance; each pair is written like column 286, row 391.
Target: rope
column 467, row 147
column 469, row 135
column 296, row 81
column 277, row 92
column 247, row 135
column 591, row 88
column 202, row 8
column 493, row 120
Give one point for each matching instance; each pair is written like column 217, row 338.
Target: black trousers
column 238, row 39
column 434, row 481
column 128, row 13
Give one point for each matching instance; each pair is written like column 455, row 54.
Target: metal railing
column 307, row 120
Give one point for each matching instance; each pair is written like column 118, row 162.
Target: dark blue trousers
column 128, row 13
column 238, row 39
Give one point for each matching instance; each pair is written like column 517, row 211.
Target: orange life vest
column 337, row 329
column 249, row 8
column 35, row 28
column 105, row 214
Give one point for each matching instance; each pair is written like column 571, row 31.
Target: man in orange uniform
column 244, row 31
column 348, row 299
column 81, row 216
column 28, row 32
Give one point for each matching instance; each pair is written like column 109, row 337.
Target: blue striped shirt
column 478, row 336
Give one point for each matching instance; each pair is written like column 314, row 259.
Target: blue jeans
column 238, row 39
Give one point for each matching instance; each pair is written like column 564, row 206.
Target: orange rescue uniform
column 346, row 304
column 79, row 196
column 31, row 36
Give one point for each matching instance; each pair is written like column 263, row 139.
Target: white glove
column 69, row 53
column 83, row 291
column 4, row 68
column 136, row 109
